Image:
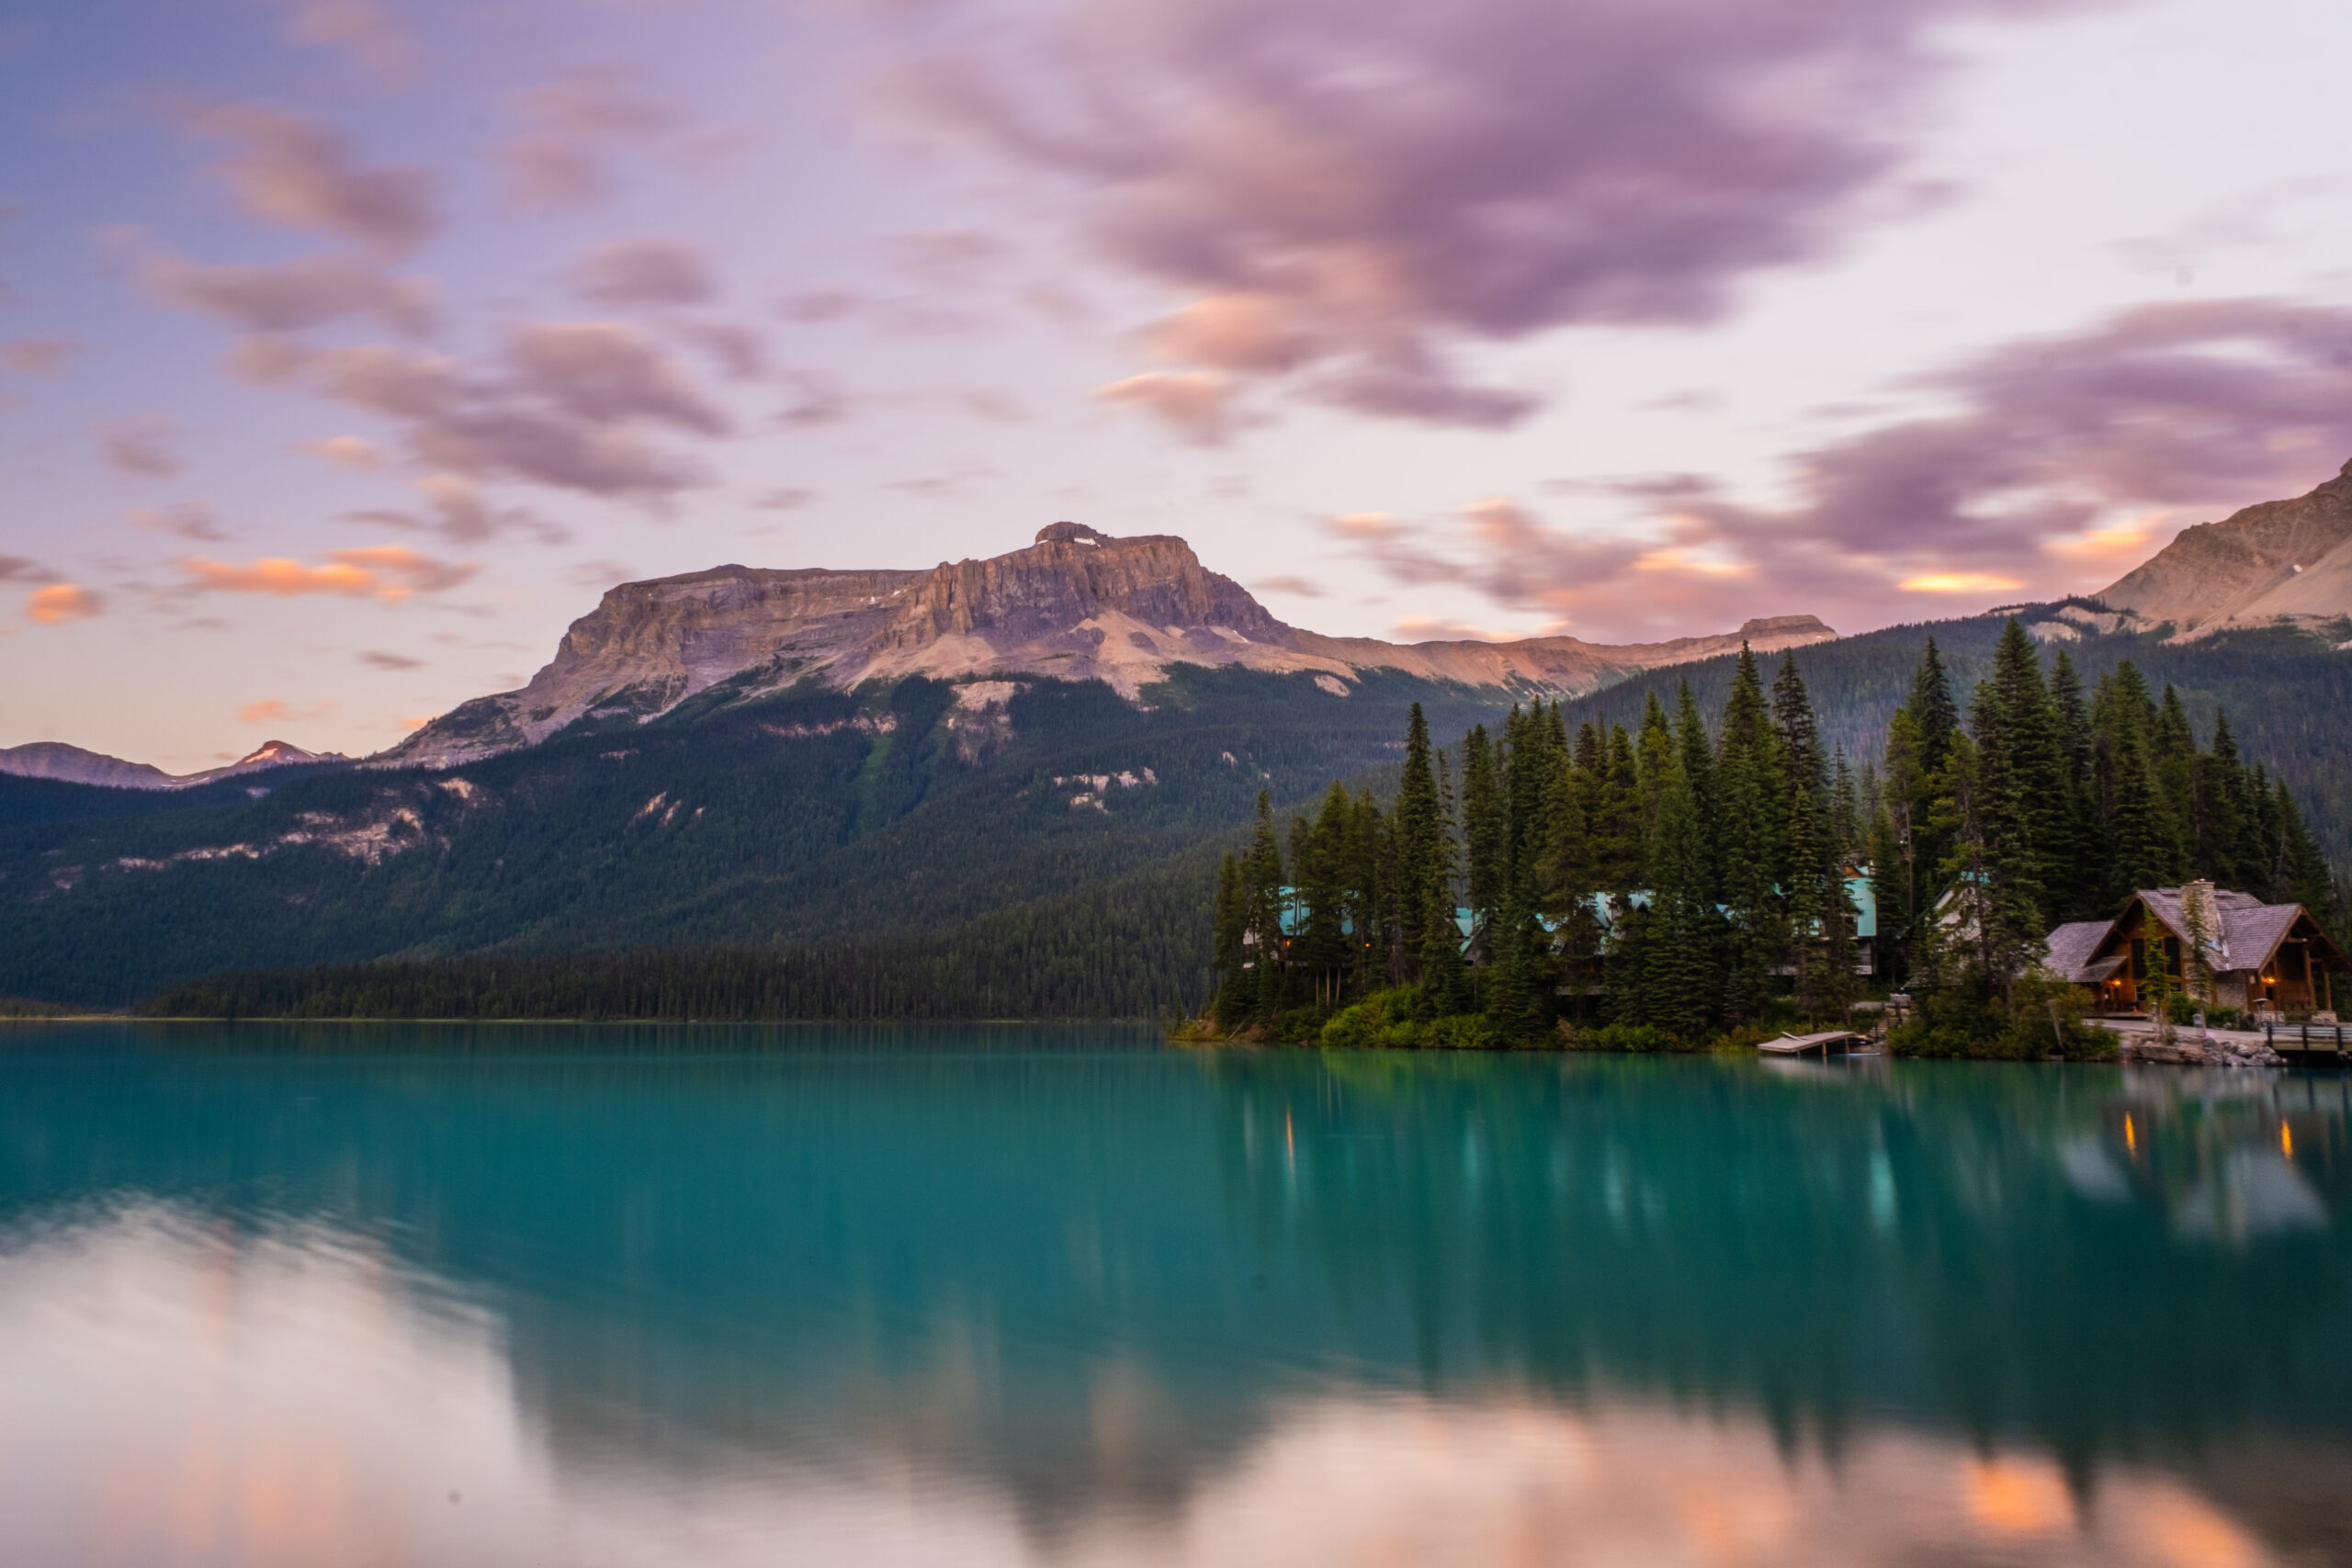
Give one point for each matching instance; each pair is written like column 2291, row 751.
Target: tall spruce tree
column 1804, row 873
column 1748, row 818
column 1236, row 981
column 1933, row 711
column 1444, row 977
column 2020, row 808
column 1419, row 846
column 1321, row 869
column 1568, row 883
column 1262, row 893
column 1484, row 825
column 1680, row 953
column 1617, row 838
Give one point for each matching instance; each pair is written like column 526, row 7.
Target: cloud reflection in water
column 177, row 1391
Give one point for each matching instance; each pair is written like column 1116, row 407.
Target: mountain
column 997, row 788
column 2280, row 561
column 54, row 760
column 1076, row 606
column 72, row 764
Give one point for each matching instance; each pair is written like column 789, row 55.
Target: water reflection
column 845, row 1304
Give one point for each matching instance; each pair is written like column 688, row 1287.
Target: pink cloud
column 390, row 572
column 1196, row 404
column 60, row 602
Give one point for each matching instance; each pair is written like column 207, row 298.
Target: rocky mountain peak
column 2279, row 561
column 1076, row 603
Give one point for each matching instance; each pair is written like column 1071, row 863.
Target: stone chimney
column 2202, row 913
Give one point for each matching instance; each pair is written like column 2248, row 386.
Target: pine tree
column 1653, row 763
column 1811, row 892
column 1420, row 845
column 1366, row 894
column 2215, row 790
column 2139, row 838
column 1263, row 908
column 1933, row 712
column 1535, row 755
column 1567, row 882
column 1697, row 756
column 1678, row 976
column 1445, row 978
column 1321, row 869
column 1483, row 825
column 2303, row 873
column 1748, row 767
column 1617, row 818
column 2084, row 877
column 1236, row 982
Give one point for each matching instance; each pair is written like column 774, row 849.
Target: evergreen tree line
column 1680, row 880
column 1128, row 949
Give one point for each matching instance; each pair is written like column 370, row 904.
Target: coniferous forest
column 1676, row 882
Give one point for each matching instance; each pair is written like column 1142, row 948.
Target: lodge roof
column 2071, row 947
column 2249, row 934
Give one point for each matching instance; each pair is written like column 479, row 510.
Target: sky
column 349, row 349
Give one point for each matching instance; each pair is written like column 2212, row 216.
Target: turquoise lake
column 505, row 1295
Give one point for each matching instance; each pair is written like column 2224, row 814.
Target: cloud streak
column 575, row 405
column 388, row 572
column 293, row 296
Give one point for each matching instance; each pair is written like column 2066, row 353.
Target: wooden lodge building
column 2253, row 955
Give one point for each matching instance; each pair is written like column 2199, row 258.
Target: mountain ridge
column 2274, row 562
column 74, row 764
column 1075, row 605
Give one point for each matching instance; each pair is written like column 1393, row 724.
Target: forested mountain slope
column 2287, row 693
column 804, row 816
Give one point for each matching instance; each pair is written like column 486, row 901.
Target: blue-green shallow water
column 505, row 1295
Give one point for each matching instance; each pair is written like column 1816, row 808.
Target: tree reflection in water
column 635, row 1299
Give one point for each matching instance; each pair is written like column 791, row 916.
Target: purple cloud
column 456, row 509
column 573, row 405
column 295, row 171
column 645, row 271
column 141, row 447
column 362, row 32
column 570, row 127
column 1375, row 183
column 186, row 520
column 2054, row 459
column 42, row 356
column 294, row 296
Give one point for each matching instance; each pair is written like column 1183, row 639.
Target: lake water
column 506, row 1296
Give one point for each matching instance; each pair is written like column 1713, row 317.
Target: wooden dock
column 1832, row 1043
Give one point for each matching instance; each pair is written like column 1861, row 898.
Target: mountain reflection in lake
column 649, row 1297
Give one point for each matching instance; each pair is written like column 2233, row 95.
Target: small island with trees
column 1692, row 886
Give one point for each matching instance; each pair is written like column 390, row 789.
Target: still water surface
column 620, row 1296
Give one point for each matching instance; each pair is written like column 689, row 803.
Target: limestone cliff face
column 1076, row 603
column 2290, row 559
